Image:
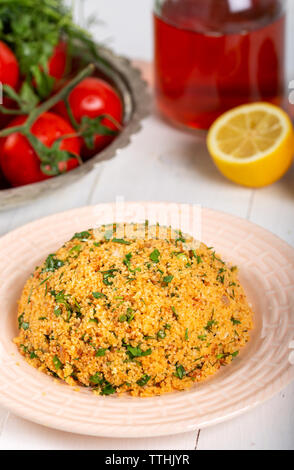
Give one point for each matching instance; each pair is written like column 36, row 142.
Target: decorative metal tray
column 133, row 90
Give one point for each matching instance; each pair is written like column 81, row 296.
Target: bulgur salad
column 133, row 308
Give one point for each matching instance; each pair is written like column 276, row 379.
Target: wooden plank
column 21, row 434
column 267, row 427
column 167, row 164
column 273, row 207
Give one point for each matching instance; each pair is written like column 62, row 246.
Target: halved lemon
column 253, row 144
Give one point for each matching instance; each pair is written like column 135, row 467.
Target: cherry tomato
column 9, row 70
column 57, row 62
column 9, row 75
column 93, row 97
column 6, row 118
column 20, row 163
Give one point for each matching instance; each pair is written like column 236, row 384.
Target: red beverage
column 212, row 55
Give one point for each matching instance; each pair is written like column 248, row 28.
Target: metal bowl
column 133, row 91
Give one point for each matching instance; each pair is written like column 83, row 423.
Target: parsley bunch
column 32, row 29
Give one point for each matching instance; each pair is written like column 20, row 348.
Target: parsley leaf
column 144, row 379
column 98, row 295
column 52, row 264
column 100, row 352
column 83, row 236
column 108, row 390
column 168, row 279
column 154, row 256
column 96, row 379
column 180, row 372
column 57, row 363
column 120, row 240
column 137, row 351
column 23, row 324
column 107, row 275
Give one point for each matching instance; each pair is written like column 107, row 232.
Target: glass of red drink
column 212, row 55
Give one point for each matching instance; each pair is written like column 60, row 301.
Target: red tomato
column 57, row 62
column 93, row 97
column 20, row 163
column 9, row 74
column 6, row 118
column 9, row 71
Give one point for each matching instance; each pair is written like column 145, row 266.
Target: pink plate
column 263, row 368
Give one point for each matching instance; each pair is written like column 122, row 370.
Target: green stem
column 71, row 136
column 11, row 93
column 61, row 95
column 114, row 121
column 4, row 110
column 11, row 130
column 70, row 113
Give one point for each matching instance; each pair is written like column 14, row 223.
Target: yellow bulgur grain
column 132, row 308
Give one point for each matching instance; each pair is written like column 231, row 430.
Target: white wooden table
column 164, row 164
